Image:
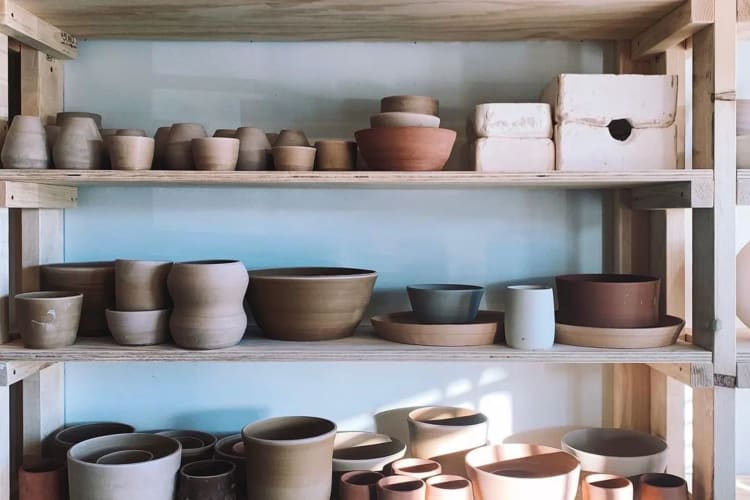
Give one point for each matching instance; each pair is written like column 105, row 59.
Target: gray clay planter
column 439, row 304
column 207, row 480
column 77, row 433
column 48, row 320
column 196, row 445
column 223, row 451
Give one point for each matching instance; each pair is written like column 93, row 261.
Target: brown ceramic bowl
column 608, row 300
column 410, row 104
column 406, row 148
column 216, row 154
column 130, row 152
column 310, row 303
column 293, row 158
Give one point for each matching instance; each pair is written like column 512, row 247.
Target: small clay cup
column 417, row 468
column 445, row 303
column 125, row 457
column 160, row 147
column 656, row 486
column 179, row 154
column 449, row 487
column 139, row 327
column 224, row 450
column 132, row 132
column 63, row 115
column 48, row 320
column 130, row 152
column 216, row 154
column 291, row 138
column 207, row 480
column 410, row 104
column 335, row 155
column 293, row 158
column 401, row 488
column 255, row 149
column 43, row 480
column 196, row 445
column 141, row 285
column 65, row 438
column 606, row 487
column 225, row 132
column 359, row 485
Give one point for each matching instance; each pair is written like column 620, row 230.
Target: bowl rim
column 657, row 441
column 477, row 470
column 231, row 469
column 445, row 287
column 331, row 432
column 268, row 274
column 53, row 295
column 85, row 463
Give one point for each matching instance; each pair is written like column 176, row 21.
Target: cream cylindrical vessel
column 529, row 317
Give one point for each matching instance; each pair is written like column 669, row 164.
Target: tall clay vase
column 45, row 480
column 179, row 152
column 207, row 480
column 161, row 138
column 606, row 487
column 255, row 149
column 208, row 303
column 662, row 487
column 449, row 487
column 359, row 485
column 401, row 488
column 289, row 458
column 79, row 145
column 141, row 285
column 529, row 317
column 25, row 144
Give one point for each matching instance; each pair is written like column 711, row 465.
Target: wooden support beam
column 698, row 194
column 687, row 19
column 43, row 407
column 743, row 18
column 668, row 418
column 19, row 23
column 41, row 85
column 5, row 444
column 713, row 443
column 15, row 371
column 28, row 195
column 691, row 374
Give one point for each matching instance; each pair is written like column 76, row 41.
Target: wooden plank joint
column 687, row 19
column 19, row 23
column 692, row 194
column 698, row 375
column 29, row 195
column 15, row 371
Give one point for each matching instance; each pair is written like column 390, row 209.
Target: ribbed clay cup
column 445, row 434
column 130, row 152
column 289, row 458
column 662, row 487
column 161, row 138
column 293, row 158
column 207, row 480
column 208, row 303
column 417, row 468
column 25, row 144
column 47, row 320
column 255, row 149
column 179, row 153
column 335, row 155
column 449, row 487
column 141, row 285
column 64, row 115
column 216, row 154
column 131, row 132
column 359, row 485
column 401, row 488
column 79, row 146
column 606, row 487
column 44, row 480
column 65, row 438
column 289, row 137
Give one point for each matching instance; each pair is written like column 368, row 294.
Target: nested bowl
column 403, row 119
column 196, row 445
column 310, row 303
column 71, row 435
column 406, row 148
column 445, row 303
column 410, row 104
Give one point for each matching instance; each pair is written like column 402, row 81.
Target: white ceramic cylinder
column 529, row 317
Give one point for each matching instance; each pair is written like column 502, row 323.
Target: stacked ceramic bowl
column 406, row 136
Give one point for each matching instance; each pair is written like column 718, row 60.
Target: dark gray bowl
column 440, row 304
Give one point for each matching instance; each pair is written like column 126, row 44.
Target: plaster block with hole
column 509, row 119
column 512, row 154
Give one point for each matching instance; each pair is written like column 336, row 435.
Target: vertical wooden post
column 41, row 84
column 5, row 444
column 43, row 407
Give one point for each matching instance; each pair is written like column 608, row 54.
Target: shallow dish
column 665, row 333
column 403, row 327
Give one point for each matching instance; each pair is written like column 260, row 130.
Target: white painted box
column 521, row 120
column 513, row 154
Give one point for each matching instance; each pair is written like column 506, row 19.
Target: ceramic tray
column 403, row 327
column 664, row 334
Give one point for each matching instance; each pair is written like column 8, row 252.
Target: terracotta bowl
column 47, row 320
column 406, row 148
column 401, row 119
column 662, row 487
column 310, row 303
column 293, row 158
column 417, row 468
column 608, row 300
column 410, row 104
column 196, row 445
column 617, row 451
column 365, row 451
column 134, row 132
column 130, row 152
column 65, row 438
column 139, row 327
column 216, row 154
column 445, row 303
column 335, row 154
column 357, row 485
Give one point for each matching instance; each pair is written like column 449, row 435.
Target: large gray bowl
column 440, row 304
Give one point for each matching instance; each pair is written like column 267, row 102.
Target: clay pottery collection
column 663, row 334
column 208, row 303
column 441, row 304
column 402, row 119
column 78, row 146
column 196, row 445
column 289, row 458
column 130, row 152
column 145, row 480
column 662, row 487
column 403, row 327
column 743, row 285
column 64, row 115
column 224, row 450
column 141, row 285
column 43, row 480
column 522, row 471
column 225, row 132
column 445, row 434
column 161, row 139
column 606, row 487
column 179, row 154
column 335, row 155
column 529, row 317
column 95, row 280
column 401, row 488
column 359, row 485
column 406, row 148
column 132, row 132
column 207, row 480
column 47, row 320
column 608, row 300
column 65, row 438
column 449, row 487
column 616, row 451
column 410, row 104
column 416, row 468
column 25, row 144
column 310, row 303
column 293, row 158
column 139, row 327
column 291, row 138
column 216, row 154
column 125, row 457
column 365, row 451
column 255, row 149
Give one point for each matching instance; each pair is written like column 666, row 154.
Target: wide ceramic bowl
column 365, row 451
column 402, row 119
column 617, row 451
column 406, row 148
column 445, row 303
column 139, row 327
column 310, row 303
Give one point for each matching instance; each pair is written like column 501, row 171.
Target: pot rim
column 389, row 481
column 147, row 313
column 482, row 418
column 148, row 454
column 607, row 278
column 57, row 435
column 81, row 266
column 479, row 472
column 209, row 440
column 681, row 483
column 226, row 440
column 142, row 261
column 48, row 295
column 85, row 463
column 656, row 441
column 290, row 442
column 429, row 97
column 197, row 264
column 345, row 273
column 346, row 476
column 445, row 287
column 436, row 481
column 399, row 448
column 232, row 468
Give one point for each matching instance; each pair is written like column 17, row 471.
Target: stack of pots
column 292, row 151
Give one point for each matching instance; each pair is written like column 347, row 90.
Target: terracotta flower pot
column 662, row 487
column 449, row 487
column 52, row 131
column 291, row 138
column 141, row 285
column 410, row 104
column 445, row 434
column 293, row 158
column 25, row 144
column 406, row 148
column 216, row 154
column 359, row 485
column 95, row 280
column 225, row 132
column 335, row 155
column 207, row 480
column 43, row 480
column 79, row 145
column 179, row 154
column 401, row 488
column 139, row 327
column 608, row 300
column 130, row 152
column 62, row 116
column 606, row 487
column 417, row 468
column 223, row 450
column 310, row 303
column 131, row 132
column 255, row 149
column 47, row 320
column 289, row 458
column 161, row 139
column 196, row 445
column 208, row 303
column 65, row 438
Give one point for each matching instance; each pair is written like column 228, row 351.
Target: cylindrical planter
column 47, row 320
column 662, row 487
column 130, row 152
column 179, row 153
column 606, row 487
column 418, row 468
column 255, row 149
column 146, row 480
column 224, row 450
column 25, row 144
column 208, row 296
column 141, row 285
column 79, row 145
column 401, row 488
column 289, row 458
column 65, row 438
column 335, row 155
column 161, row 138
column 529, row 317
column 216, row 154
column 445, row 434
column 449, row 487
column 45, row 480
column 64, row 115
column 207, row 480
column 196, row 445
column 359, row 485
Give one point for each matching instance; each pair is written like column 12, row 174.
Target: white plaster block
column 528, row 120
column 511, row 154
column 743, row 151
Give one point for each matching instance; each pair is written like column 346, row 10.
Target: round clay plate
column 664, row 334
column 404, row 328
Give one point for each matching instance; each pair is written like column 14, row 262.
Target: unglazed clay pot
column 522, row 471
column 445, row 434
column 406, row 148
column 139, row 327
column 208, row 297
column 130, row 152
column 354, row 450
column 272, row 136
column 179, row 154
column 224, row 450
column 410, row 104
column 529, row 317
column 141, row 285
column 743, row 285
column 335, row 155
column 310, row 303
column 216, row 154
column 161, row 138
column 225, row 132
column 43, row 480
column 125, row 457
column 25, row 144
column 289, row 458
column 95, row 280
column 147, row 480
column 132, row 132
column 207, row 480
column 52, row 131
column 47, row 320
column 401, row 488
column 417, row 468
column 64, row 439
column 62, row 116
column 79, row 146
column 359, row 485
column 440, row 304
column 608, row 300
column 402, row 119
column 255, row 149
column 662, row 487
column 291, row 138
column 196, row 445
column 293, row 158
column 606, row 487
column 449, row 487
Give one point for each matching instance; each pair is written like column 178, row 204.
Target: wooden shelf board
column 353, row 19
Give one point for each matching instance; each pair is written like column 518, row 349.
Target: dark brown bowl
column 608, row 300
column 406, row 148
